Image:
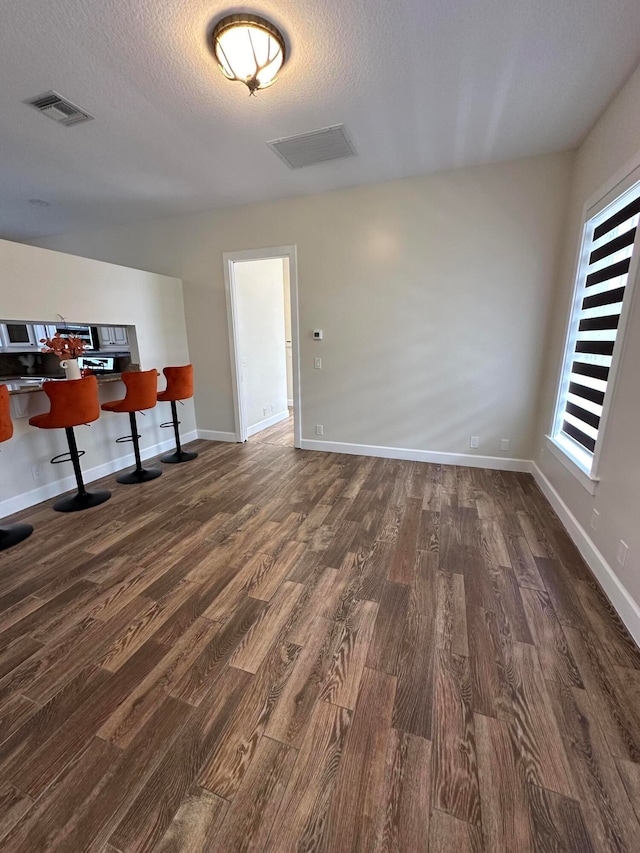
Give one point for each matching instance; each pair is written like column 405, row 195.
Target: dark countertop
column 29, row 386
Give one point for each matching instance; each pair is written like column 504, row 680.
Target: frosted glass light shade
column 249, row 49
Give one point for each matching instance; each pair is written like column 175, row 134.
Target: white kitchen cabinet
column 113, row 337
column 18, row 337
column 120, row 336
column 41, row 331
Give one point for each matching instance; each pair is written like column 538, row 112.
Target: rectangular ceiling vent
column 59, row 109
column 317, row 146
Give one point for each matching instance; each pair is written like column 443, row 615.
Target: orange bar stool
column 142, row 389
column 73, row 402
column 179, row 388
column 10, row 534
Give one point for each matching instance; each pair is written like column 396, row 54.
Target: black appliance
column 97, row 364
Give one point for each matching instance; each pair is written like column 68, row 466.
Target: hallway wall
column 261, row 332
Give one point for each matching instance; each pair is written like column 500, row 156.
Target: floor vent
column 59, row 109
column 318, row 146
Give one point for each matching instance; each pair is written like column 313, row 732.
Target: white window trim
column 563, row 448
column 558, row 446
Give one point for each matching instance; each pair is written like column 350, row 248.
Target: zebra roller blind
column 610, row 242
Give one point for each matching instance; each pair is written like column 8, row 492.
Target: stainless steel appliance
column 85, row 333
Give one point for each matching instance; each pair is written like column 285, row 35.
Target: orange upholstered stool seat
column 10, row 534
column 179, row 384
column 6, row 425
column 179, row 387
column 141, row 393
column 73, row 402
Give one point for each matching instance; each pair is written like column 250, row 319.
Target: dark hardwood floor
column 279, row 650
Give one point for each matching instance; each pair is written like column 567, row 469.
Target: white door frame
column 229, row 259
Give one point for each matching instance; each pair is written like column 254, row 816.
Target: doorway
column 262, row 306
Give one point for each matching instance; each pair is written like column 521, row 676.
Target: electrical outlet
column 272, row 408
column 623, row 549
column 264, row 411
column 504, row 444
column 474, row 441
column 595, row 518
column 317, row 363
column 35, row 472
column 319, row 429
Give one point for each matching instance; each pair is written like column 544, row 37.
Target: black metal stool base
column 11, row 534
column 139, row 475
column 179, row 456
column 81, row 500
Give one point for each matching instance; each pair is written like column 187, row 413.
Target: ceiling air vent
column 318, row 146
column 59, row 109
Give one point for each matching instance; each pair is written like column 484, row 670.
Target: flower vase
column 71, row 368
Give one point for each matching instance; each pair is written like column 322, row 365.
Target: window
column 606, row 270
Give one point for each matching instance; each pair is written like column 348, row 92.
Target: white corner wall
column 39, row 284
column 613, row 143
column 432, row 293
column 287, row 329
column 261, row 331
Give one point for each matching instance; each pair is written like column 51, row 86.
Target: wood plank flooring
column 280, row 434
column 277, row 650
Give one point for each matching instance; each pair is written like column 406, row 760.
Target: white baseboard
column 618, row 595
column 216, row 435
column 89, row 475
column 467, row 460
column 266, row 423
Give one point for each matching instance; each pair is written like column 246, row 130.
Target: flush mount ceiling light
column 249, row 49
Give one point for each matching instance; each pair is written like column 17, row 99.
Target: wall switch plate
column 595, row 518
column 504, row 444
column 35, row 472
column 474, row 441
column 623, row 550
column 319, row 429
column 317, row 363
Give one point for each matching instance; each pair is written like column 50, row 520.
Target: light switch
column 317, row 363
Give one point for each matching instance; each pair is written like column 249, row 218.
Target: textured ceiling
column 422, row 85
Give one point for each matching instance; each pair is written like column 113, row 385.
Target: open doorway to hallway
column 263, row 332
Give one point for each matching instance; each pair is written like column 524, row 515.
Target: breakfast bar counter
column 29, row 386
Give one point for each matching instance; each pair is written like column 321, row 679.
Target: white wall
column 40, row 284
column 287, row 328
column 261, row 338
column 613, row 142
column 432, row 292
